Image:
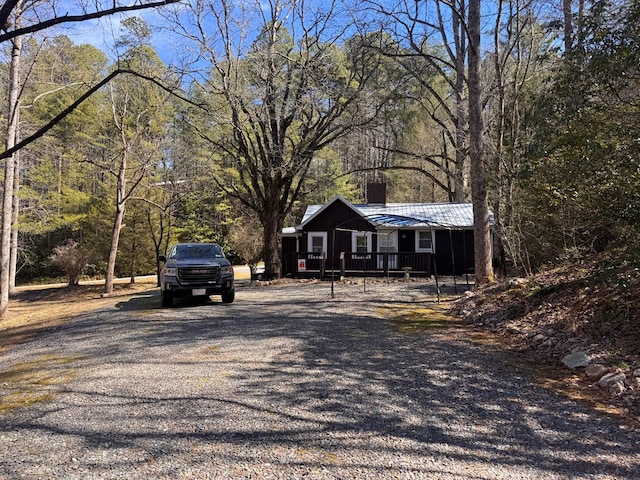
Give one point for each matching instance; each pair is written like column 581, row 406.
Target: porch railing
column 372, row 262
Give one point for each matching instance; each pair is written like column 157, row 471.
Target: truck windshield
column 196, row 251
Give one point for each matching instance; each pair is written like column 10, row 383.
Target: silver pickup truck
column 196, row 270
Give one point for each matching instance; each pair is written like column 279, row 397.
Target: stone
column 636, row 373
column 595, row 371
column 539, row 338
column 610, row 378
column 616, row 388
column 576, row 360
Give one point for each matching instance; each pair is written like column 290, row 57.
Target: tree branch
column 6, row 9
column 5, row 13
column 428, row 174
column 70, row 109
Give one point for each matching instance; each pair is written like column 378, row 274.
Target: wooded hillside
column 255, row 110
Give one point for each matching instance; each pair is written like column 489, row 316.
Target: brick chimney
column 376, row 193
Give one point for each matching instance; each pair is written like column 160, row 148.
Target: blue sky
column 171, row 47
column 104, row 32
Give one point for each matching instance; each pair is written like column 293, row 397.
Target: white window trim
column 310, row 235
column 433, row 242
column 354, row 244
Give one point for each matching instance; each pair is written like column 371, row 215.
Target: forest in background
column 269, row 109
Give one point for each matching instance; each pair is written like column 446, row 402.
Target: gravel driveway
column 288, row 383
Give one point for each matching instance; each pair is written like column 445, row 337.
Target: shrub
column 71, row 259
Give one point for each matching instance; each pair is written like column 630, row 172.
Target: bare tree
column 291, row 93
column 138, row 117
column 435, row 39
column 514, row 73
column 455, row 28
column 247, row 241
column 160, row 198
column 71, row 259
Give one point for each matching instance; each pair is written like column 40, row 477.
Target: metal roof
column 434, row 215
column 399, row 215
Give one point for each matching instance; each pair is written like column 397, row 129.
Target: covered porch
column 370, row 263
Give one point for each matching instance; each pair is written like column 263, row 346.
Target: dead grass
column 417, row 319
column 35, row 381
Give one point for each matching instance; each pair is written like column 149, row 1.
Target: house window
column 387, row 243
column 317, row 245
column 424, row 241
column 361, row 244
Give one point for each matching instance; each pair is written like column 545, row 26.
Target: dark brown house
column 380, row 238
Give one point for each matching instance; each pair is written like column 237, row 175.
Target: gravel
column 285, row 383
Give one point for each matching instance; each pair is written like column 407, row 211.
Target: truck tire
column 228, row 294
column 166, row 298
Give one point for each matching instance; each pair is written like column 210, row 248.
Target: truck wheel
column 228, row 295
column 167, row 299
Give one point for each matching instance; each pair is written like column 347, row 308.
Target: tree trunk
column 272, row 226
column 481, row 230
column 133, row 255
column 9, row 170
column 115, row 239
column 498, row 174
column 7, row 216
column 460, row 174
column 13, row 260
column 159, row 237
column 567, row 15
column 460, row 183
column 117, row 226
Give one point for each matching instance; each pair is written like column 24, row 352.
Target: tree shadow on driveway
column 287, row 382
